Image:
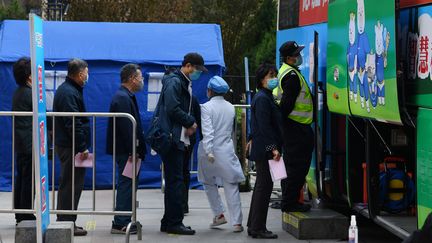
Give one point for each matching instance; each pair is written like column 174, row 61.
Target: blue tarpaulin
column 106, row 47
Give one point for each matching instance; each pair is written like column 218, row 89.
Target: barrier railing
column 74, row 211
column 241, row 125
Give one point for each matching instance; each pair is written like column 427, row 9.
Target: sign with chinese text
column 312, row 11
column 39, row 126
column 410, row 3
column 416, row 57
column 361, row 60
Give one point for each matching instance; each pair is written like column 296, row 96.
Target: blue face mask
column 195, row 75
column 272, row 83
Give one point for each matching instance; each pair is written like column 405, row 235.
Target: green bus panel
column 361, row 59
column 424, row 164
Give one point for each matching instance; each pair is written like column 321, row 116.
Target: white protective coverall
column 217, row 118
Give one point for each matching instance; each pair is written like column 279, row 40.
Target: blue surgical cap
column 218, row 85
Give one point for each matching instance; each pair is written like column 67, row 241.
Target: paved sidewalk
column 149, row 214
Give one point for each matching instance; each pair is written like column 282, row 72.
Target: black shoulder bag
column 157, row 137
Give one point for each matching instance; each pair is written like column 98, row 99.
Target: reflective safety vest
column 303, row 108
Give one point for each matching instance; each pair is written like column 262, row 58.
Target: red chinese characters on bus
column 312, row 11
column 410, row 3
column 423, row 66
column 412, row 55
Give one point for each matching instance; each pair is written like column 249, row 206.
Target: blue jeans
column 124, row 191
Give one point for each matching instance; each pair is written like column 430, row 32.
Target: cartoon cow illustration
column 372, row 79
column 382, row 40
column 352, row 58
column 363, row 49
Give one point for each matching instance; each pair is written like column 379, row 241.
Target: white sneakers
column 220, row 220
column 238, row 228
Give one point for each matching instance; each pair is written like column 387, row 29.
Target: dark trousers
column 257, row 219
column 124, row 192
column 186, row 177
column 297, row 155
column 23, row 186
column 174, row 188
column 64, row 195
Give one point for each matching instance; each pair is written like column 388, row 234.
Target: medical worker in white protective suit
column 218, row 164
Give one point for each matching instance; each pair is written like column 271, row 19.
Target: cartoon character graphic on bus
column 363, row 50
column 372, row 79
column 352, row 58
column 382, row 41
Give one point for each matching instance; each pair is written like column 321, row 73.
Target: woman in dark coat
column 265, row 144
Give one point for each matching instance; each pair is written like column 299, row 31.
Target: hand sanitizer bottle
column 353, row 231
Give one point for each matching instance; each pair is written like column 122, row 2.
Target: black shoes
column 179, row 230
column 298, row 207
column 79, row 231
column 118, row 229
column 263, row 234
column 163, row 228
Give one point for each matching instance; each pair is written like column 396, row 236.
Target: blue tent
column 106, row 47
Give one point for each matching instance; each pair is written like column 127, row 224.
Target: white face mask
column 140, row 85
column 86, row 80
column 299, row 61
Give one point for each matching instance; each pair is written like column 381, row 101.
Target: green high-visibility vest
column 303, row 108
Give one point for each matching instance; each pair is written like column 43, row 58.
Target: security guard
column 297, row 112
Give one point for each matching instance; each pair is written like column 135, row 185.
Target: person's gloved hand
column 211, row 158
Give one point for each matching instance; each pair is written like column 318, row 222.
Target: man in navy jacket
column 124, row 101
column 175, row 117
column 69, row 98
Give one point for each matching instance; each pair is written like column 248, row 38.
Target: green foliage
column 13, row 10
column 248, row 30
column 129, row 10
column 262, row 49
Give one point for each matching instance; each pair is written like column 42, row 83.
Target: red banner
column 312, row 11
column 410, row 3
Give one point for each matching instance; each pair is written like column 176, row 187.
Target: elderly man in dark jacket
column 22, row 101
column 175, row 117
column 124, row 101
column 69, row 98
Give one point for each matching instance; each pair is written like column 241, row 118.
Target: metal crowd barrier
column 247, row 165
column 94, row 211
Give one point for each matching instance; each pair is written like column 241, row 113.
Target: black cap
column 290, row 49
column 196, row 60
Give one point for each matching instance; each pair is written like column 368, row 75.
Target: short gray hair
column 75, row 66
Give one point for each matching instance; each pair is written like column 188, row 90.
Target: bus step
column 316, row 224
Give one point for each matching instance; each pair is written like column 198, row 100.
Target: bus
column 369, row 64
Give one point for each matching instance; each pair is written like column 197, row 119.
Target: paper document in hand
column 87, row 163
column 277, row 169
column 127, row 171
column 183, row 137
